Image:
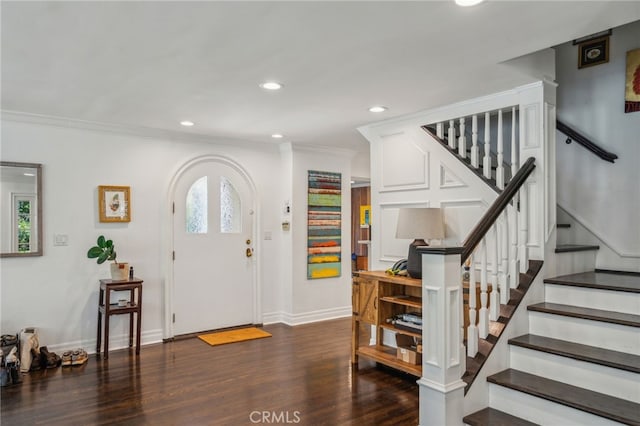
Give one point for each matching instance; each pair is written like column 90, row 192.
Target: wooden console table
column 106, row 309
column 377, row 297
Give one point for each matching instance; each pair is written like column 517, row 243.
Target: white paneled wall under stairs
column 580, row 362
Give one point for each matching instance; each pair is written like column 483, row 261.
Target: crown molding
column 130, row 130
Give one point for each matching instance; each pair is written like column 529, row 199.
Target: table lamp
column 420, row 224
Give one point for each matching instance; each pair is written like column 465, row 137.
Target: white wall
column 58, row 292
column 603, row 197
column 326, row 297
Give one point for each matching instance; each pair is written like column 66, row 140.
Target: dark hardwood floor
column 302, row 375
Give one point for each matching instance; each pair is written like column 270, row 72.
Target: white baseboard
column 306, row 317
column 120, row 341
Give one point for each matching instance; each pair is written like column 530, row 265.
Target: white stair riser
column 608, row 300
column 593, row 333
column 598, row 378
column 574, row 262
column 540, row 410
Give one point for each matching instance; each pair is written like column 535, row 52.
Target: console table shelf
column 387, row 356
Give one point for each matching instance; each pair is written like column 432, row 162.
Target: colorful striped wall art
column 324, row 225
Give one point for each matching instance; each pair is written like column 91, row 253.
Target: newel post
column 443, row 355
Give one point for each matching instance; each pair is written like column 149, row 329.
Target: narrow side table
column 106, row 309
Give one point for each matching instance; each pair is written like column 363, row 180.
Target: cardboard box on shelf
column 407, row 349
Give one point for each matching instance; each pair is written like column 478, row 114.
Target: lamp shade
column 420, row 223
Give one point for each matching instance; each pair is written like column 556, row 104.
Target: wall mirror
column 20, row 209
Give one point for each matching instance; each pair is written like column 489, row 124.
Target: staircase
column 580, row 362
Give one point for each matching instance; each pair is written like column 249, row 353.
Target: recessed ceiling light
column 29, row 174
column 378, row 108
column 468, row 2
column 271, row 85
column 187, row 123
column 276, row 136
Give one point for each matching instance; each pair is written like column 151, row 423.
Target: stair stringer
column 477, row 396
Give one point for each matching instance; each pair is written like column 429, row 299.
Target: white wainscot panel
column 448, row 179
column 530, row 122
column 534, row 214
column 392, row 248
column 460, row 216
column 405, row 165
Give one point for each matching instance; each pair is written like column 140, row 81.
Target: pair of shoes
column 66, row 359
column 79, row 357
column 49, row 359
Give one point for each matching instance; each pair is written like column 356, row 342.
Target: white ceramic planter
column 120, row 271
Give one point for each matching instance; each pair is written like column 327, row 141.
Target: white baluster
column 483, row 319
column 494, row 301
column 500, row 159
column 514, row 267
column 439, row 131
column 486, row 161
column 472, row 329
column 462, row 140
column 474, row 141
column 452, row 134
column 505, row 293
column 523, row 253
column 514, row 147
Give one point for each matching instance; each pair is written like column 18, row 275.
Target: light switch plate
column 60, row 240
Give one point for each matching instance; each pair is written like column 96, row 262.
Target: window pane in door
column 230, row 208
column 197, row 210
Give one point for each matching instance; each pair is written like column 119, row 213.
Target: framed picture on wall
column 593, row 52
column 114, row 203
column 632, row 87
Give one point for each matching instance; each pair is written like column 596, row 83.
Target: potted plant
column 106, row 250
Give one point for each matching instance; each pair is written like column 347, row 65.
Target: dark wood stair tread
column 563, row 225
column 592, row 354
column 492, row 417
column 587, row 313
column 568, row 248
column 600, row 280
column 599, row 404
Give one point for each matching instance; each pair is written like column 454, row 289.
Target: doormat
column 232, row 336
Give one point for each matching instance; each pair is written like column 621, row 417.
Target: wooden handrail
column 489, row 218
column 573, row 135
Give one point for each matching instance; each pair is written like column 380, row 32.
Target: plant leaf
column 112, row 255
column 101, row 241
column 108, row 244
column 103, row 256
column 94, row 252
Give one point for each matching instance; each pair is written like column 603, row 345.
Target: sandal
column 79, row 357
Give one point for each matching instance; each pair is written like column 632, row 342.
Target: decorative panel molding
column 448, row 179
column 534, row 214
column 430, row 310
column 405, row 165
column 393, row 249
column 530, row 122
column 550, row 170
column 460, row 216
column 454, row 311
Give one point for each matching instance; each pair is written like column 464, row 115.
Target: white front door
column 213, row 282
